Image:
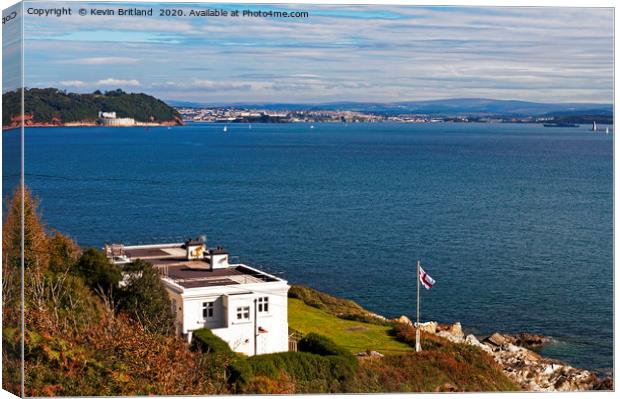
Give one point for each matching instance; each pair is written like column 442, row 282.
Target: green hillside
column 356, row 336
column 47, row 104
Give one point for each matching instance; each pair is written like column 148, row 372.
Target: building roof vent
column 195, row 248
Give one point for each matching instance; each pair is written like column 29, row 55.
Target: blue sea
column 513, row 221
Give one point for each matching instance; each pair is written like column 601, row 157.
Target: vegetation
column 441, row 366
column 47, row 105
column 293, row 372
column 355, row 336
column 452, row 367
column 207, row 342
column 76, row 342
column 321, row 345
column 342, row 308
column 83, row 341
column 144, row 298
column 97, row 272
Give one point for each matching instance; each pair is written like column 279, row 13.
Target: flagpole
column 418, row 347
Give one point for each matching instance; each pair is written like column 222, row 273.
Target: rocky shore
column 514, row 354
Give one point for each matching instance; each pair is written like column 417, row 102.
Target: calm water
column 513, row 221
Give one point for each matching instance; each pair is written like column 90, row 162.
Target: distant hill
column 586, row 116
column 454, row 106
column 184, row 104
column 54, row 106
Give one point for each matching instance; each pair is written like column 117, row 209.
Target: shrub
column 144, row 298
column 262, row 385
column 311, row 372
column 97, row 271
column 321, row 345
column 307, row 372
column 205, row 341
column 240, row 373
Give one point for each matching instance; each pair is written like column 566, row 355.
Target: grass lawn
column 353, row 335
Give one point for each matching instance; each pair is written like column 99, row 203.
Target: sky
column 339, row 53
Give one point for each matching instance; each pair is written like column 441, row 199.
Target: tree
column 144, row 298
column 98, row 272
column 35, row 243
column 64, row 252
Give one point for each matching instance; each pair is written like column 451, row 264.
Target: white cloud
column 205, row 84
column 100, row 61
column 118, row 82
column 73, row 83
column 109, row 82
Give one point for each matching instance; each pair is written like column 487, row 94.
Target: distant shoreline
column 93, row 124
column 185, row 122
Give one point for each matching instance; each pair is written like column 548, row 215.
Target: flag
column 426, row 280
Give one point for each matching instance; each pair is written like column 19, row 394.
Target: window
column 263, row 304
column 174, row 306
column 243, row 313
column 207, row 310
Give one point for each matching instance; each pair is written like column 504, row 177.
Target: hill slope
column 356, row 336
column 53, row 106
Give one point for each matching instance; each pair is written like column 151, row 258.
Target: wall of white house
column 271, row 325
column 238, row 333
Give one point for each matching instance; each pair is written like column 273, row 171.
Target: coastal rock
column 530, row 340
column 453, row 332
column 605, row 384
column 457, row 330
column 405, row 320
column 535, row 373
column 429, row 327
column 473, row 341
column 522, row 339
column 377, row 316
column 496, row 339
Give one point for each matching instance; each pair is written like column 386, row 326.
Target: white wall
column 192, row 313
column 239, row 334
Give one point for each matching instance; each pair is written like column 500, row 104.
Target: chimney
column 218, row 258
column 195, row 248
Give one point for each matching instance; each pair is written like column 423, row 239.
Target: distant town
column 232, row 114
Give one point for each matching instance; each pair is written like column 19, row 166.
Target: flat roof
column 172, row 263
column 189, row 277
column 152, row 252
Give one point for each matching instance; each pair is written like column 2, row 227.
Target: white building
column 110, row 115
column 244, row 306
column 110, row 119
